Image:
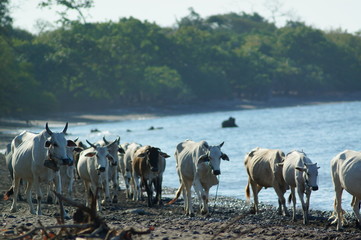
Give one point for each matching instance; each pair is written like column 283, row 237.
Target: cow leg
column 255, row 190
column 87, row 191
column 205, row 198
column 282, row 209
column 158, row 190
column 189, row 206
column 338, row 201
column 304, row 205
column 39, row 194
column 148, row 189
column 127, row 185
column 137, row 189
column 185, row 197
column 49, row 194
column 187, row 194
column 202, row 196
column 106, row 188
column 356, row 208
column 16, row 185
column 115, row 184
column 70, row 181
column 293, row 194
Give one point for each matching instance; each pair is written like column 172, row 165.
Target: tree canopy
column 130, row 62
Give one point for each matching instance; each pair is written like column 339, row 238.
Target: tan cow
column 300, row 173
column 264, row 171
column 198, row 164
column 346, row 174
column 126, row 168
column 148, row 166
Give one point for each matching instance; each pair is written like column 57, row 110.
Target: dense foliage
column 130, row 62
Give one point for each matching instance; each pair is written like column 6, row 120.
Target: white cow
column 198, row 164
column 126, row 168
column 300, row 173
column 30, row 153
column 93, row 169
column 346, row 174
column 114, row 149
column 263, row 170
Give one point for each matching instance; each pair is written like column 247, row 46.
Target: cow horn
column 76, row 139
column 48, row 130
column 118, row 140
column 105, row 141
column 220, row 145
column 65, row 128
column 92, row 145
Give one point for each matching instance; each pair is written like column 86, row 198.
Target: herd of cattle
column 49, row 157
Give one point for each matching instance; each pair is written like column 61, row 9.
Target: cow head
column 71, row 150
column 113, row 149
column 152, row 156
column 101, row 154
column 310, row 174
column 214, row 156
column 57, row 145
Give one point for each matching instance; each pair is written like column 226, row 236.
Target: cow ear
column 70, row 143
column 142, row 155
column 121, row 150
column 300, row 169
column 225, row 157
column 203, row 158
column 78, row 149
column 90, row 154
column 47, row 144
column 164, row 155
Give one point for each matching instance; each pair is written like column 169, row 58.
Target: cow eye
column 55, row 145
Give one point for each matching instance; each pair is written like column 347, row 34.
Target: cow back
column 262, row 166
column 349, row 169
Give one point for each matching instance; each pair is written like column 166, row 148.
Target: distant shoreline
column 9, row 126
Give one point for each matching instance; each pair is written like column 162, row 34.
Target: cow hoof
column 13, row 210
column 49, row 200
column 190, row 214
column 115, row 200
column 203, row 212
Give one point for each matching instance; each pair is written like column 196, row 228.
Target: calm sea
column 321, row 131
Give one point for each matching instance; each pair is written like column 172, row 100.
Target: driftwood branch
column 76, row 226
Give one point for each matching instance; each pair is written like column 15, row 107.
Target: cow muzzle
column 216, row 172
column 154, row 169
column 314, row 188
column 101, row 169
column 67, row 161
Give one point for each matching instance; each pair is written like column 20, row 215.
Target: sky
column 322, row 14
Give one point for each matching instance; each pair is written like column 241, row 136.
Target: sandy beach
column 230, row 218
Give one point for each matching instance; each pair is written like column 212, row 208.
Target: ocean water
column 321, row 131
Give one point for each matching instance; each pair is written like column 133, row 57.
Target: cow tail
column 9, row 193
column 176, row 195
column 248, row 195
column 290, row 198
